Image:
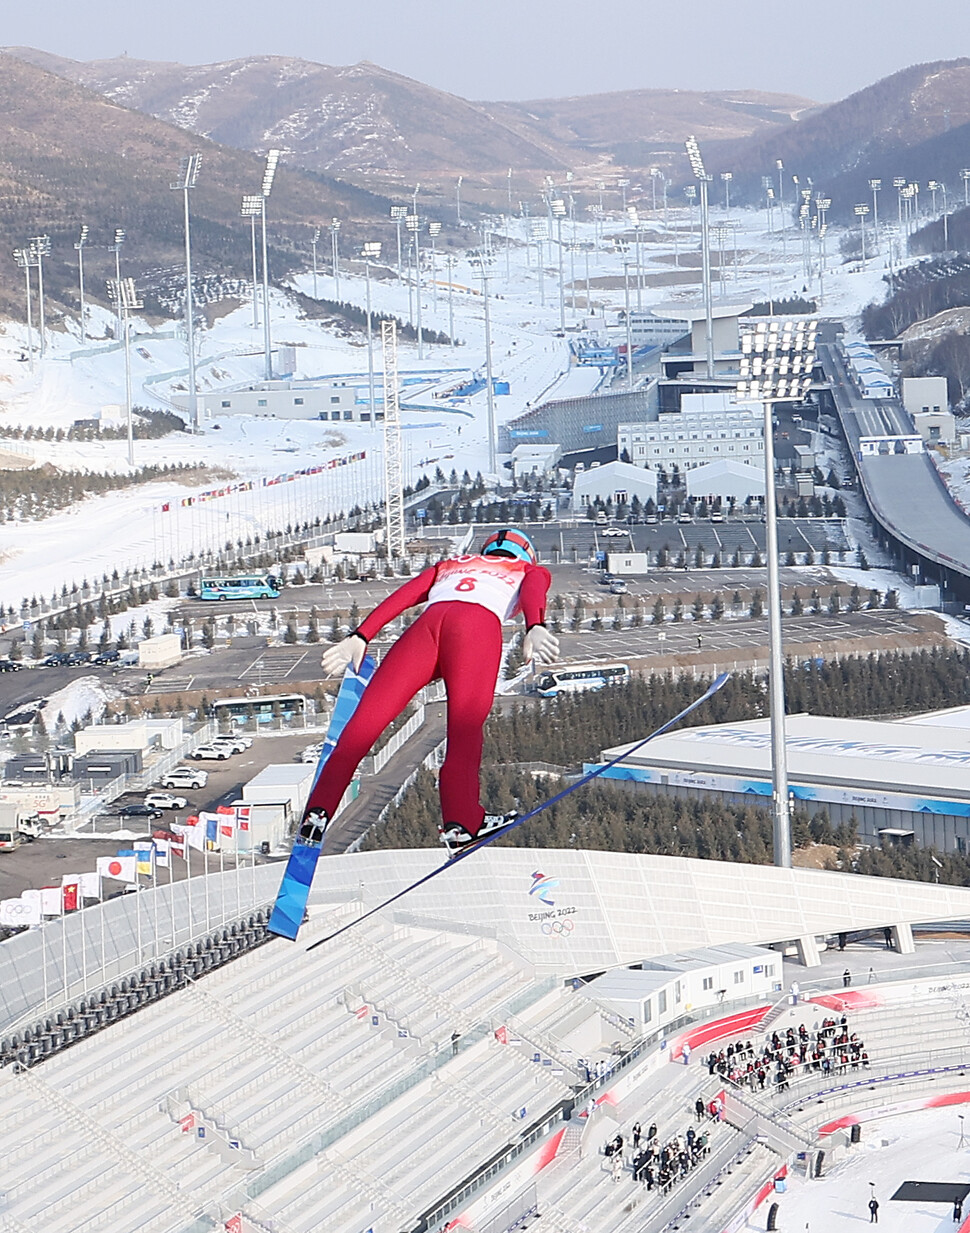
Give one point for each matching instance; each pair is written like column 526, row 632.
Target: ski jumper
column 458, row 638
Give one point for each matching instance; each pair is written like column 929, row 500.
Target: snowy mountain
column 363, row 120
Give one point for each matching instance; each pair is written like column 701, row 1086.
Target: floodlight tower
column 79, row 249
column 450, row 263
column 860, row 211
column 393, row 482
column 703, row 179
column 188, row 177
column 727, row 177
column 40, row 247
column 252, row 207
column 899, row 183
column 875, row 187
column 776, row 366
column 370, row 251
column 122, row 291
column 434, row 230
column 25, row 260
column 115, row 247
column 780, row 167
column 483, row 262
column 634, row 216
column 458, row 199
column 335, row 255
column 558, row 207
column 413, row 224
column 314, row 241
column 397, row 217
column 539, row 229
column 965, row 177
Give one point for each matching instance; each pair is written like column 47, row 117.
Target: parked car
column 618, row 588
column 238, row 744
column 611, row 532
column 185, row 777
column 651, row 520
column 212, row 752
column 76, row 658
column 718, row 516
column 138, row 811
column 685, row 516
column 165, row 800
column 107, row 657
column 57, row 660
column 312, row 753
column 9, row 665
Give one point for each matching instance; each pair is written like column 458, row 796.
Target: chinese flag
column 70, row 897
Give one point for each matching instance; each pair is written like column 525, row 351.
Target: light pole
column 313, row 244
column 861, row 210
column 946, row 221
column 538, row 231
column 269, row 174
column 434, row 230
column 450, row 265
column 559, row 213
column 24, row 259
column 634, row 217
column 397, row 217
column 188, row 177
column 623, row 186
column 629, row 324
column 727, row 177
column 776, row 366
column 899, row 183
column 654, row 172
column 335, row 255
column 252, row 207
column 122, row 291
column 875, row 187
column 413, row 223
column 458, row 200
column 40, row 247
column 965, row 177
column 697, row 166
column 370, row 251
column 690, row 196
column 483, row 262
column 79, row 249
column 780, row 167
column 115, row 248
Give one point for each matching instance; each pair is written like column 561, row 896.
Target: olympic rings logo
column 557, row 926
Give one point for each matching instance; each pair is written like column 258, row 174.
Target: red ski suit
column 458, row 638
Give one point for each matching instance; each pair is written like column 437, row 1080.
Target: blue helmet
column 510, row 542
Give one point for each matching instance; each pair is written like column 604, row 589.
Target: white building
column 727, row 478
column 924, row 394
column 707, row 427
column 535, row 460
column 618, row 482
column 289, row 400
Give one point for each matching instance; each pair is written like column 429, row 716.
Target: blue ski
column 291, row 899
column 464, row 853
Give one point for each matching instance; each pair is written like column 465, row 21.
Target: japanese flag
column 121, row 867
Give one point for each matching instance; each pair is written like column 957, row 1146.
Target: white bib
column 490, row 582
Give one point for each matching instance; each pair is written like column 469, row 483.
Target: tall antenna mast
column 393, row 483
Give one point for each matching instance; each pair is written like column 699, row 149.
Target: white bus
column 579, row 677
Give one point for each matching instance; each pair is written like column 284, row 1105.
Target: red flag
column 234, row 1224
column 502, row 1035
column 166, row 507
column 225, row 809
column 70, row 897
column 187, row 1123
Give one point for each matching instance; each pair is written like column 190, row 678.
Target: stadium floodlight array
column 370, row 251
column 79, row 249
column 122, row 292
column 188, row 178
column 314, row 241
column 703, row 179
column 481, row 261
column 777, row 358
column 26, row 260
column 413, row 223
column 40, row 247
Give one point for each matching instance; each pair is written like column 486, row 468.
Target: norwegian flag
column 242, row 817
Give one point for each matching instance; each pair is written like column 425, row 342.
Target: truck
column 16, row 827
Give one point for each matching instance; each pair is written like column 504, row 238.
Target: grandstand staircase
column 429, row 996
column 540, row 1043
column 190, row 1118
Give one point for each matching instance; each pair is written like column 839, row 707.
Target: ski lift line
column 712, row 689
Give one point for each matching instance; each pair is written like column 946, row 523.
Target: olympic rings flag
column 18, row 913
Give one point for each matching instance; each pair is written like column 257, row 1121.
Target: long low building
column 908, row 780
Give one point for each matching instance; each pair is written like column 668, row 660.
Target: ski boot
column 456, row 838
column 313, row 828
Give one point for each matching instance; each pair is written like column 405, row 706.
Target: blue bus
column 244, row 586
column 578, row 679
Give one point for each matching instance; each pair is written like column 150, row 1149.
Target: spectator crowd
column 830, row 1049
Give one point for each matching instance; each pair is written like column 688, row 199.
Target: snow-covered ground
column 923, row 1146
column 132, row 528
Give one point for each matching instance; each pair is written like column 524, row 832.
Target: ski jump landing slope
column 578, row 911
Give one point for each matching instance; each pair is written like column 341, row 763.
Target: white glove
column 347, row 651
column 540, row 644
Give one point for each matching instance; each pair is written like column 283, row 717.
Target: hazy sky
column 519, row 49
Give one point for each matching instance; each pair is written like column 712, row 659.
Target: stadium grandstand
column 465, row 1058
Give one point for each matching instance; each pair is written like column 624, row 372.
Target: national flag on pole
column 177, row 846
column 162, row 854
column 16, row 913
column 145, row 859
column 123, row 868
column 242, row 817
column 50, row 900
column 227, row 826
column 90, row 885
column 69, row 894
column 193, row 832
